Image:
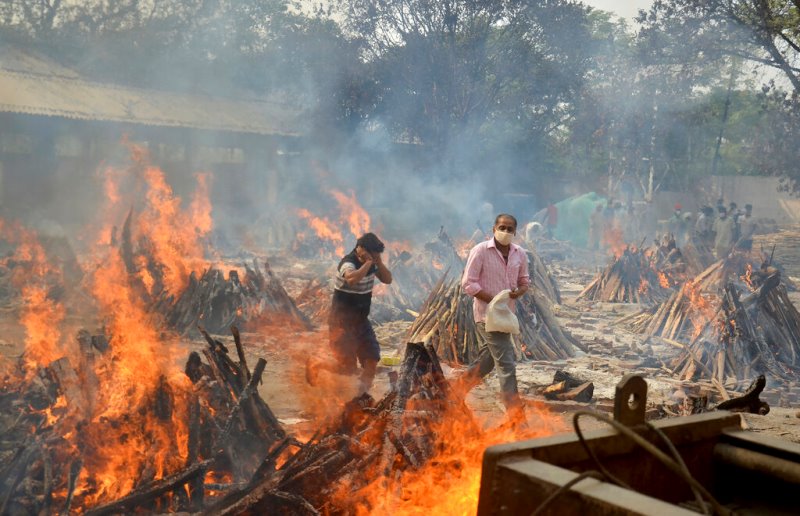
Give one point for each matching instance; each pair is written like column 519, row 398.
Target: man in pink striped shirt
column 493, row 266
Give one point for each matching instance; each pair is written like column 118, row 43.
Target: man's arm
column 383, row 273
column 470, row 281
column 523, row 280
column 352, row 275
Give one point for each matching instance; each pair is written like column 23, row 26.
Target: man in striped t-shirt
column 352, row 338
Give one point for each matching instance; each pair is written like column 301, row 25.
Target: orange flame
column 614, row 241
column 747, row 277
column 663, row 280
column 41, row 315
column 200, row 208
column 352, row 213
column 449, row 482
column 324, row 229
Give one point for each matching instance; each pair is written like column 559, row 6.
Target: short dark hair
column 371, row 243
column 508, row 216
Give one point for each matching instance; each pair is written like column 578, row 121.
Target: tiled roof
column 37, row 86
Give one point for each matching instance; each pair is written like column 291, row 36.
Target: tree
column 484, row 85
column 772, row 144
column 762, row 31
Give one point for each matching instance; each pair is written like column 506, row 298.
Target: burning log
column 630, row 278
column 731, row 321
column 566, row 387
column 212, row 299
column 368, row 440
column 446, row 322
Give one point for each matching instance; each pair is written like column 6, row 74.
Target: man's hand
column 383, row 274
column 483, row 296
column 518, row 292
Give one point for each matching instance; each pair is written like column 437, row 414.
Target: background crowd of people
column 720, row 229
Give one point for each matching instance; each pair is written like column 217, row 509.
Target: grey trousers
column 497, row 350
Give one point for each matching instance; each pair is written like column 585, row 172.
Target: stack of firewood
column 631, row 277
column 751, row 333
column 446, row 322
column 541, row 278
column 218, row 302
column 414, row 273
column 230, row 428
column 211, row 298
column 370, row 442
column 687, row 311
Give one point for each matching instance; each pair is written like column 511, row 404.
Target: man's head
column 732, row 206
column 505, row 227
column 368, row 245
column 707, row 211
column 506, row 222
column 748, row 209
column 722, row 212
column 678, row 207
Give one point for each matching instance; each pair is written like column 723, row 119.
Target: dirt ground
column 613, row 352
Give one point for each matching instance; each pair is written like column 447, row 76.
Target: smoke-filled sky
column 625, row 8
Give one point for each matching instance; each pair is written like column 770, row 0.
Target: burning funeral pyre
column 206, row 441
column 632, row 277
column 733, row 321
column 211, row 298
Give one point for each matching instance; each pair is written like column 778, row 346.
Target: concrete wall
column 761, row 192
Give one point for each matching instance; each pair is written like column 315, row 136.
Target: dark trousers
column 353, row 342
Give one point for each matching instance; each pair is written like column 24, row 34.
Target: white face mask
column 502, row 237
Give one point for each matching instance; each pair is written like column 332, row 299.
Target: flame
column 614, row 241
column 174, row 235
column 324, row 229
column 41, row 316
column 352, row 213
column 702, row 310
column 449, row 482
column 663, row 280
column 747, row 277
column 200, row 207
column 125, row 435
